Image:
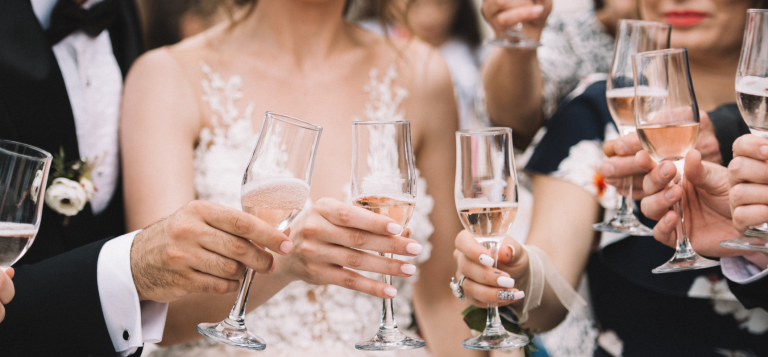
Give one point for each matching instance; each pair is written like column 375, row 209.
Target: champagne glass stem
column 683, row 248
column 237, row 315
column 387, row 315
column 626, row 206
column 493, row 321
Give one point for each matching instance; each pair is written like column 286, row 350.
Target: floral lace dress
column 301, row 319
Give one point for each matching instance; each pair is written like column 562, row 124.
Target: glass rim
column 661, row 52
column 756, row 11
column 380, row 122
column 45, row 155
column 494, row 130
column 294, row 121
column 645, row 22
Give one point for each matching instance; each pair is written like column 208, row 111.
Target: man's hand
column 6, row 290
column 503, row 14
column 202, row 248
column 748, row 182
column 707, row 214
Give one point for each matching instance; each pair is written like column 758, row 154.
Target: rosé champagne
column 753, row 102
column 398, row 207
column 668, row 142
column 15, row 239
column 487, row 221
column 621, row 104
column 275, row 201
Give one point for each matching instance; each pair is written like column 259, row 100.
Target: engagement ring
column 456, row 287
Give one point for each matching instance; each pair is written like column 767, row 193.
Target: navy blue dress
column 653, row 315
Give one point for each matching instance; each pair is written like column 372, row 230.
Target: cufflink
column 126, row 335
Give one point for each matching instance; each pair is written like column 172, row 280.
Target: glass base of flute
column 754, row 239
column 232, row 331
column 625, row 221
column 514, row 37
column 494, row 337
column 389, row 337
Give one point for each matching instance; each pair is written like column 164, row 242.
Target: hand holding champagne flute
column 275, row 189
column 668, row 126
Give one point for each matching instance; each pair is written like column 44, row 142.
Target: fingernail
column 764, row 150
column 506, row 295
column 607, row 170
column 514, row 251
column 664, row 171
column 505, row 282
column 621, row 148
column 390, row 292
column 668, row 194
column 286, row 247
column 414, row 248
column 666, row 218
column 394, row 228
column 486, row 260
column 537, row 9
column 408, row 269
column 519, row 295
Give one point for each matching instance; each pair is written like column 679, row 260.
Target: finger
column 346, row 215
column 746, row 169
column 2, row 313
column 751, row 146
column 219, row 266
column 406, row 233
column 485, row 275
column 474, row 251
column 749, row 216
column 484, row 294
column 628, row 145
column 10, row 272
column 208, row 284
column 356, row 238
column 644, row 161
column 748, row 194
column 518, row 14
column 7, row 290
column 637, row 186
column 351, row 280
column 657, row 205
column 238, row 249
column 243, row 225
column 659, row 178
column 360, row 260
column 491, row 8
column 664, row 231
column 710, row 177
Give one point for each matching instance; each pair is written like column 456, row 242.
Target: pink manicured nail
column 390, row 292
column 414, row 248
column 408, row 269
column 394, row 228
column 514, row 251
column 505, row 282
column 286, row 247
column 486, row 260
column 519, row 295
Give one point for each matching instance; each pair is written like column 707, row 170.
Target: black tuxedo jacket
column 56, row 311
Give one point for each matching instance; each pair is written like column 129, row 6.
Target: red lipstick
column 684, row 18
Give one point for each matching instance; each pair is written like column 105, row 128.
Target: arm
column 512, row 78
column 438, row 312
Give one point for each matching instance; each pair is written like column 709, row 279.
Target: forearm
column 513, row 87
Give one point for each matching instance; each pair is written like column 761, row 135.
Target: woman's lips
column 684, row 18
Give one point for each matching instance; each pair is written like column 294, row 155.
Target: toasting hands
column 7, row 290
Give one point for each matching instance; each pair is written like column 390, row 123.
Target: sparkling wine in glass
column 384, row 182
column 668, row 127
column 275, row 189
column 752, row 98
column 23, row 177
column 633, row 36
column 514, row 37
column 486, row 199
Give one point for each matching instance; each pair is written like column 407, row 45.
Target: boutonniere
column 69, row 186
column 475, row 317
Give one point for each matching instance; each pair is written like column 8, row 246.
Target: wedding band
column 457, row 288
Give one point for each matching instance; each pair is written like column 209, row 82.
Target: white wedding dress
column 302, row 319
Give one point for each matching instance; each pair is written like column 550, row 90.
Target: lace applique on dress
column 301, row 319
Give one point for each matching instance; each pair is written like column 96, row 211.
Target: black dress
column 653, row 315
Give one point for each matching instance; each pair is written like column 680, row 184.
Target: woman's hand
column 332, row 235
column 484, row 284
column 7, row 290
column 503, row 14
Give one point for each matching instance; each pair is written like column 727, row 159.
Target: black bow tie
column 68, row 17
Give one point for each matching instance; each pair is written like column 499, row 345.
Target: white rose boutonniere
column 36, row 183
column 70, row 186
column 66, row 197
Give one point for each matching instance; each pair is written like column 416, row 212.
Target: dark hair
column 163, row 18
column 465, row 24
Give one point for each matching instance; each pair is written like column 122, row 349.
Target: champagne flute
column 514, row 37
column 634, row 36
column 384, row 182
column 668, row 127
column 752, row 89
column 275, row 189
column 23, row 176
column 486, row 198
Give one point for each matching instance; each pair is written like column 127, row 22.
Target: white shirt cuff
column 130, row 323
column 740, row 270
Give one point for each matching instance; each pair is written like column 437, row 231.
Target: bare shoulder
column 422, row 64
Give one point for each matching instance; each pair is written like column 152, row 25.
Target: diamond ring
column 456, row 287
